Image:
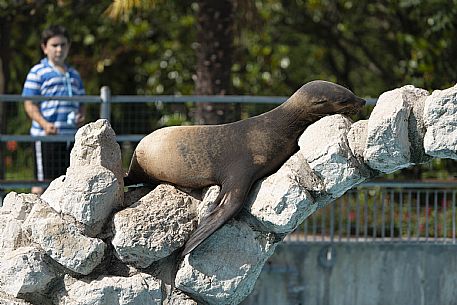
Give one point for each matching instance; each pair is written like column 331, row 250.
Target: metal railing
column 386, row 212
column 125, row 126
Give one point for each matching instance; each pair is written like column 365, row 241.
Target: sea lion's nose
column 362, row 101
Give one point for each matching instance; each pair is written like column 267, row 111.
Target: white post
column 105, row 106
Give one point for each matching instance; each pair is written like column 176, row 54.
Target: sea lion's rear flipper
column 231, row 202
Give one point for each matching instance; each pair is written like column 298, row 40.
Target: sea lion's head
column 324, row 98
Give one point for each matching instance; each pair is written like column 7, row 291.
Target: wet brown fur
column 234, row 155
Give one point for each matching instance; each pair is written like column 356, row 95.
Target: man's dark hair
column 52, row 31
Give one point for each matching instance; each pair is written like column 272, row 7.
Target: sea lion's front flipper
column 231, row 202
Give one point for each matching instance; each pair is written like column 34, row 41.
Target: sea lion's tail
column 135, row 174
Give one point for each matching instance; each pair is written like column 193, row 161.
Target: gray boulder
column 25, row 271
column 325, row 147
column 139, row 289
column 440, row 113
column 61, row 238
column 93, row 186
column 388, row 147
column 280, row 202
column 16, row 207
column 155, row 226
column 224, row 268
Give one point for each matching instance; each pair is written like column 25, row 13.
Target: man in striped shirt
column 52, row 77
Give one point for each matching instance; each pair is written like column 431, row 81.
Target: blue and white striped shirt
column 44, row 79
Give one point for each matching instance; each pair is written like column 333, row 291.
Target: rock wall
column 85, row 241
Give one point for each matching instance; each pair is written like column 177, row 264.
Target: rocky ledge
column 85, row 241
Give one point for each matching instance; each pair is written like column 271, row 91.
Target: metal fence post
column 105, row 106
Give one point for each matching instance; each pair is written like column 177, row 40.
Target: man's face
column 56, row 49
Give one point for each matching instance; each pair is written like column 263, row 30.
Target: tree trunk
column 214, row 59
column 4, row 76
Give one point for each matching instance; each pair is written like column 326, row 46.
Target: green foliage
column 373, row 46
column 368, row 46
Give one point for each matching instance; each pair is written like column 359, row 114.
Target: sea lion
column 234, row 155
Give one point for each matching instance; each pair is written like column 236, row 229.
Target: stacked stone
column 82, row 243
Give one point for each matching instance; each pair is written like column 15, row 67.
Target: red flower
column 11, row 146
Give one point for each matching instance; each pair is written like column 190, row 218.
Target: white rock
column 60, row 237
column 140, row 289
column 95, row 144
column 54, row 193
column 305, row 176
column 87, row 193
column 280, row 202
column 207, row 205
column 24, row 271
column 416, row 98
column 14, row 211
column 11, row 236
column 93, row 185
column 388, row 147
column 325, row 147
column 18, row 206
column 440, row 115
column 357, row 138
column 154, row 227
column 9, row 300
column 224, row 268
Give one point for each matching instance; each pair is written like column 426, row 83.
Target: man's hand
column 33, row 111
column 49, row 128
column 80, row 118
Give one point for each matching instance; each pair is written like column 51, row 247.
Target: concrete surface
column 358, row 274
